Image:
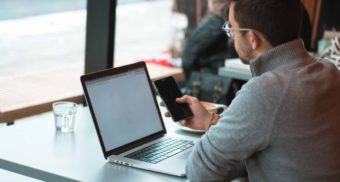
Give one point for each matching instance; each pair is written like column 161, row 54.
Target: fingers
column 183, row 99
column 162, row 103
column 183, row 122
column 167, row 114
column 187, row 123
column 187, row 99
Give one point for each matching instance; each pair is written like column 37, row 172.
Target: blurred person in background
column 206, row 48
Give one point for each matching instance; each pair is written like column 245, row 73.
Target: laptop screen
column 124, row 107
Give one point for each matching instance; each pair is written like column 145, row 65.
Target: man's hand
column 201, row 117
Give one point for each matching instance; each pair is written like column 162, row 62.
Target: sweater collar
column 284, row 55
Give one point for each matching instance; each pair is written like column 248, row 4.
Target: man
column 284, row 122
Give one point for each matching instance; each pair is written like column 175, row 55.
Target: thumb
column 184, row 99
column 187, row 99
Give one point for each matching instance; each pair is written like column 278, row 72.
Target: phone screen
column 169, row 91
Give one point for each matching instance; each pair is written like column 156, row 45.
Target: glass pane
column 155, row 31
column 42, row 45
column 143, row 30
column 40, row 35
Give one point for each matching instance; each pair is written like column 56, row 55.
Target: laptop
column 129, row 123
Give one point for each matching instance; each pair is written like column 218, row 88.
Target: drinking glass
column 64, row 116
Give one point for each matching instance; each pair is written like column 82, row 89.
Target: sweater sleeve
column 244, row 129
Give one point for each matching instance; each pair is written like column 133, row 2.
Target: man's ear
column 254, row 40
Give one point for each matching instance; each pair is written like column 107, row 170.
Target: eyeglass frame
column 226, row 28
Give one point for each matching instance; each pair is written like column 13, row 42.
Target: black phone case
column 168, row 90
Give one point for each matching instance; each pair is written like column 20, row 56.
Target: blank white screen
column 124, row 108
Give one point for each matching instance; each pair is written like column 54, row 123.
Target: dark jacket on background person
column 207, row 47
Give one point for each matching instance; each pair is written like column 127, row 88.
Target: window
column 42, row 49
column 143, row 30
column 41, row 54
column 38, row 35
column 153, row 30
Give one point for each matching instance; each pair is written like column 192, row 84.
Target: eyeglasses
column 226, row 28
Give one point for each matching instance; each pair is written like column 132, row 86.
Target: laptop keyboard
column 161, row 150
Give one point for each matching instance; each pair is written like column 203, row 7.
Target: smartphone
column 168, row 90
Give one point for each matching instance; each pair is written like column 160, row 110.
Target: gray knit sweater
column 284, row 123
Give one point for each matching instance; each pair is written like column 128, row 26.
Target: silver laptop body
column 127, row 119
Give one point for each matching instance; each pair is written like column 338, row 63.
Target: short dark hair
column 278, row 20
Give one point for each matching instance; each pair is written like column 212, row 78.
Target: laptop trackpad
column 184, row 155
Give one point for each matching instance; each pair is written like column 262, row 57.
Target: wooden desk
column 28, row 95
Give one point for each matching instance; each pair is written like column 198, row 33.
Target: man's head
column 271, row 23
column 219, row 7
